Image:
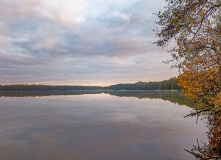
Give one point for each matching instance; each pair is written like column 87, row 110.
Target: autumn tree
column 194, row 27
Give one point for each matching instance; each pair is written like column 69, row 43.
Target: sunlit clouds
column 80, row 42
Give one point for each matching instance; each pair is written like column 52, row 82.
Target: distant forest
column 170, row 84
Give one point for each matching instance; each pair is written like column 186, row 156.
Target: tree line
column 170, row 84
column 34, row 87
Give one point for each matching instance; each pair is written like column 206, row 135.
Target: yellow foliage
column 195, row 25
column 203, row 87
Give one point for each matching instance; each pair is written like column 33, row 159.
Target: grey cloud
column 115, row 40
column 110, row 45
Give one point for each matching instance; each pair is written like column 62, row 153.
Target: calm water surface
column 102, row 126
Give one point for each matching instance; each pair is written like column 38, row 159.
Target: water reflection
column 106, row 125
column 172, row 96
column 211, row 150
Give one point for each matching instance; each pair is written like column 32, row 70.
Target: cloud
column 54, row 40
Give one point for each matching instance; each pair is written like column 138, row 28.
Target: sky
column 81, row 42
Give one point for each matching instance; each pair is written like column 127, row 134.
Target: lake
column 90, row 125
